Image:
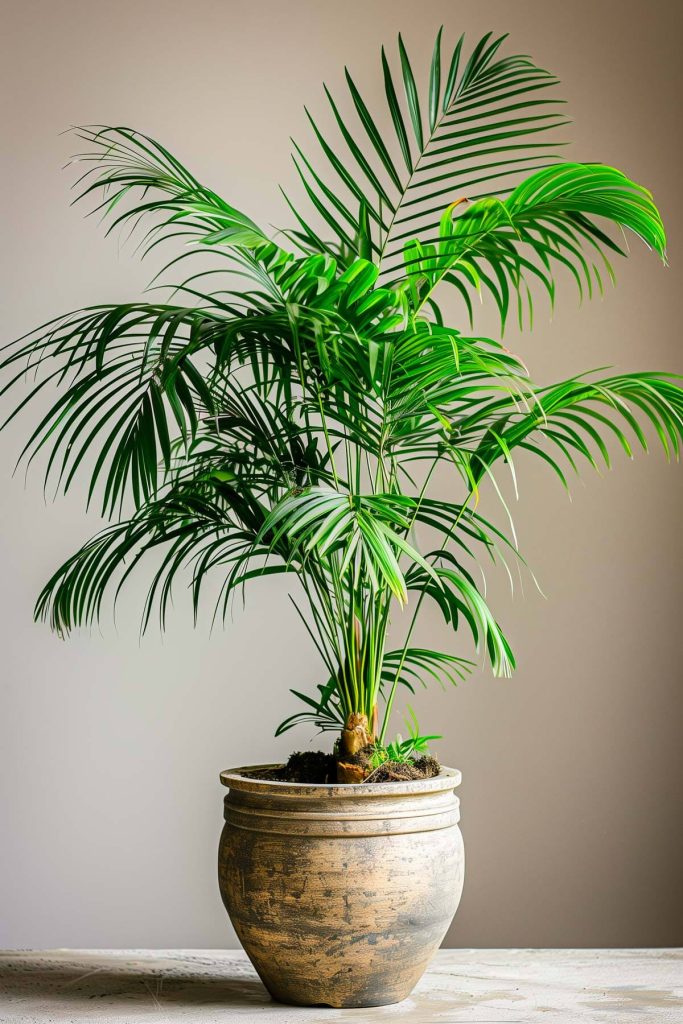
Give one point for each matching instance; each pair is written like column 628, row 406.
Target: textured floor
column 461, row 987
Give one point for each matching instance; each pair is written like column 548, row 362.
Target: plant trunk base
column 355, row 747
column 355, row 735
column 351, row 774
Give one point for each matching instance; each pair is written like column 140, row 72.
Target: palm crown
column 288, row 415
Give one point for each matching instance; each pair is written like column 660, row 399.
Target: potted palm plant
column 288, row 408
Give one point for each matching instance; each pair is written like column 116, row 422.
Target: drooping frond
column 131, row 177
column 366, row 533
column 202, row 527
column 456, row 594
column 127, row 380
column 546, row 223
column 416, row 665
column 574, row 417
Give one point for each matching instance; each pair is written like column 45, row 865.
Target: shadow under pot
column 340, row 894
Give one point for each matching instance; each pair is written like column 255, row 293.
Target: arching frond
column 546, row 222
column 199, row 529
column 132, row 177
column 456, row 594
column 575, row 416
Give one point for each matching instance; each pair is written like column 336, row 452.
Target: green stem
column 394, row 685
column 327, row 438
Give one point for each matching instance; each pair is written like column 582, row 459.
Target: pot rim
column 233, row 778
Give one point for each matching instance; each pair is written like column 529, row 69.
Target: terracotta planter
column 341, row 894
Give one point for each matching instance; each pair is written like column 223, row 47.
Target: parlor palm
column 287, row 406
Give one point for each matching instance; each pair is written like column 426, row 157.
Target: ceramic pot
column 340, row 894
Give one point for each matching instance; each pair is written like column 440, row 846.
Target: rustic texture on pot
column 340, row 894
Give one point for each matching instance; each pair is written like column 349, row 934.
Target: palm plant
column 286, row 409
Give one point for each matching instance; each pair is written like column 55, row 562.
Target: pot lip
column 233, row 778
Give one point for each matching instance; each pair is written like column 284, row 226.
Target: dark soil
column 318, row 768
column 303, row 766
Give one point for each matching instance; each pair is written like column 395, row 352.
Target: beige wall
column 110, row 749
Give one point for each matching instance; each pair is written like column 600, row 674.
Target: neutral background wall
column 110, row 748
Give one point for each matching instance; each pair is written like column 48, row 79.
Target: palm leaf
column 361, row 531
column 201, row 526
column 545, row 222
column 417, row 665
column 123, row 165
column 492, row 122
column 128, row 383
column 457, row 596
column 571, row 414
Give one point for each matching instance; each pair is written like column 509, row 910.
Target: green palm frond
column 574, row 416
column 200, row 527
column 457, row 596
column 127, row 378
column 132, row 177
column 485, row 121
column 414, row 665
column 364, row 532
column 545, row 222
column 325, row 711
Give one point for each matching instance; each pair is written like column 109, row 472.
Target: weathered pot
column 340, row 894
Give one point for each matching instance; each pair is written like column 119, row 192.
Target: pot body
column 341, row 895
